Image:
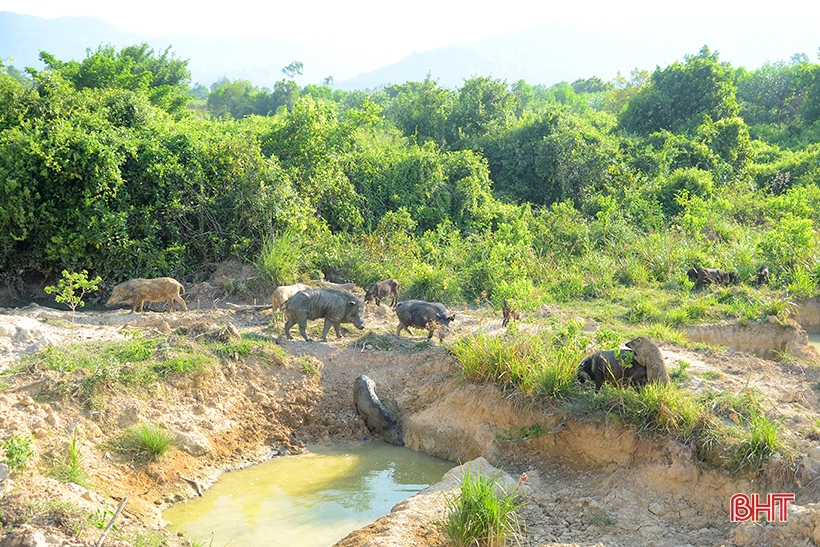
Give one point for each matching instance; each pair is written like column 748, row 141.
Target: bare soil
column 586, row 483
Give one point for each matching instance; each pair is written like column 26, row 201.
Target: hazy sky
column 381, row 32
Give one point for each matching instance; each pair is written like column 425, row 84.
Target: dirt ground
column 251, row 409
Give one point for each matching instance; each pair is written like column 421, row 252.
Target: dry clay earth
column 588, row 484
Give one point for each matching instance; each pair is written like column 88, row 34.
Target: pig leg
column 328, row 323
column 288, row 324
column 179, row 299
column 337, row 327
column 303, row 332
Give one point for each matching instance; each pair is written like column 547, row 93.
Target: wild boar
column 715, row 276
column 692, row 273
column 138, row 291
column 333, row 305
column 609, row 366
column 383, row 289
column 763, row 275
column 508, row 314
column 423, row 315
column 282, row 293
column 649, row 355
column 375, row 415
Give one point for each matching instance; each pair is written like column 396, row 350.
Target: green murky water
column 314, row 499
column 814, row 340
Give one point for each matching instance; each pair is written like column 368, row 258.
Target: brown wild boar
column 508, row 314
column 282, row 293
column 383, row 289
column 138, row 291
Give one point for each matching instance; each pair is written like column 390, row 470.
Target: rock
column 194, row 444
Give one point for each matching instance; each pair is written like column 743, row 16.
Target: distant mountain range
column 547, row 54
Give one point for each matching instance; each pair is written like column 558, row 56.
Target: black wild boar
column 375, row 415
column 333, row 305
column 423, row 315
column 714, row 276
column 692, row 273
column 383, row 289
column 606, row 366
column 763, row 275
column 138, row 291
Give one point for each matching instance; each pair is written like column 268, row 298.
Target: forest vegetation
column 591, row 190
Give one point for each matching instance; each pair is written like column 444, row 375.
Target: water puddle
column 814, row 340
column 314, row 499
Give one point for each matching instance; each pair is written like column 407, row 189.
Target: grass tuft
column 482, row 514
column 145, row 442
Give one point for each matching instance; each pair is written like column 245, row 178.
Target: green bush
column 18, row 449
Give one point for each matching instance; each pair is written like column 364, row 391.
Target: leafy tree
column 296, row 68
column 484, row 107
column 770, row 94
column 237, row 98
column 70, row 285
column 553, row 157
column 285, row 94
column 420, row 110
column 163, row 78
column 685, row 182
column 311, row 145
column 679, row 96
column 591, row 85
column 624, row 90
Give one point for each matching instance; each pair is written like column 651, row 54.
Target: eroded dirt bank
column 588, row 483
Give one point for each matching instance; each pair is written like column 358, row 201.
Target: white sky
column 385, row 31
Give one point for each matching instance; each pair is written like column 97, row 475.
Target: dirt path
column 250, row 409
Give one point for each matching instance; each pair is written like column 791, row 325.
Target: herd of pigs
column 301, row 304
column 639, row 363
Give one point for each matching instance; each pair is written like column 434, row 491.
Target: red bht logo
column 743, row 508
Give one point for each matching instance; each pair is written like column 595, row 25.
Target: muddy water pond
column 814, row 340
column 313, row 499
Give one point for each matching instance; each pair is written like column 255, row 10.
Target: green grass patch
column 378, row 341
column 482, row 514
column 68, row 465
column 542, row 364
column 144, row 442
column 727, row 430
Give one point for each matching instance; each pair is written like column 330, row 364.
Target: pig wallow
column 432, row 316
column 375, row 415
column 139, row 291
column 333, row 305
